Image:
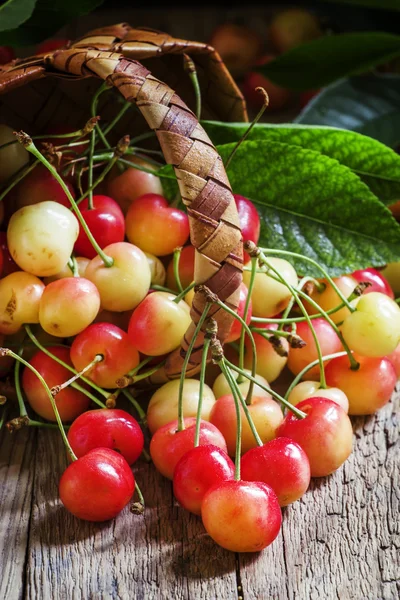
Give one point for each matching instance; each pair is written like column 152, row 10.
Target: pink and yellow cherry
column 394, row 358
column 105, row 221
column 301, row 357
column 68, row 306
column 155, row 226
column 269, row 296
column 374, row 328
column 249, row 219
column 186, row 269
column 81, row 263
column 163, row 405
column 311, row 389
column 109, row 341
column 282, row 464
column 41, row 237
column 13, row 157
column 120, row 319
column 265, row 412
column 221, row 386
column 157, row 269
column 127, row 186
column 236, row 328
column 368, row 388
column 70, row 402
column 40, row 185
column 329, row 299
column 241, row 516
column 269, row 363
column 325, row 434
column 20, row 295
column 9, row 265
column 378, row 282
column 292, row 27
column 107, row 428
column 168, row 444
column 123, row 285
column 97, row 486
column 158, row 324
column 197, row 471
column 392, row 275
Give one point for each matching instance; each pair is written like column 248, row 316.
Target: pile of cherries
column 95, row 291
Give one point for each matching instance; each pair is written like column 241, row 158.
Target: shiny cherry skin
column 325, row 434
column 269, row 363
column 241, row 516
column 107, row 428
column 236, row 329
column 105, row 221
column 378, row 282
column 155, row 226
column 394, row 358
column 111, row 342
column 97, row 486
column 282, row 464
column 197, row 471
column 168, row 445
column 40, row 185
column 249, row 220
column 70, row 402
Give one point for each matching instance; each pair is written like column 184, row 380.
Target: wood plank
column 342, row 539
column 163, row 554
column 17, row 470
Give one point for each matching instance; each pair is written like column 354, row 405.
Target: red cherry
column 168, row 445
column 249, row 220
column 186, row 269
column 97, row 486
column 241, row 516
column 378, row 282
column 59, row 141
column 282, row 464
column 106, row 222
column 155, row 226
column 325, row 434
column 236, row 328
column 9, row 266
column 307, row 96
column 107, row 428
column 278, row 96
column 6, row 54
column 197, row 471
column 51, row 45
column 40, row 185
column 394, row 358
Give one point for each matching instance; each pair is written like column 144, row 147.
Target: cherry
column 238, row 46
column 13, row 157
column 293, row 27
column 186, row 269
column 236, row 329
column 282, row 464
column 20, row 295
column 311, row 389
column 66, row 271
column 221, row 385
column 392, row 275
column 278, row 97
column 265, row 412
column 163, row 405
column 40, row 185
column 307, row 96
column 119, row 356
column 368, row 388
column 6, row 54
column 241, row 516
column 107, row 428
column 68, row 306
column 62, row 129
column 155, row 226
column 269, row 363
column 301, row 357
column 325, row 434
column 197, row 471
column 120, row 319
column 168, row 444
column 158, row 324
column 329, row 298
column 249, row 219
column 9, row 265
column 70, row 402
column 51, row 45
column 105, row 221
column 394, row 358
column 378, row 282
column 97, row 486
column 157, row 270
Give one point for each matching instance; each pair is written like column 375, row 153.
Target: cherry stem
column 176, row 260
column 58, row 388
column 18, row 391
column 238, row 451
column 136, row 405
column 90, row 173
column 119, row 116
column 190, row 69
column 140, row 495
column 245, row 313
column 21, row 173
column 247, row 132
column 100, row 178
column 71, row 369
column 8, row 352
column 181, row 420
column 93, row 110
column 180, row 296
column 26, row 141
column 204, row 357
column 73, row 265
column 307, row 368
column 300, row 286
column 3, row 417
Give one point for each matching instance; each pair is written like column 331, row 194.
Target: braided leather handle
column 204, row 186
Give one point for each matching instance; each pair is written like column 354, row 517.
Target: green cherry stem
column 222, row 365
column 58, row 388
column 118, row 117
column 90, row 170
column 190, row 69
column 3, row 417
column 254, row 262
column 307, row 368
column 136, row 405
column 18, row 391
column 183, row 293
column 176, row 260
column 204, row 356
column 73, row 265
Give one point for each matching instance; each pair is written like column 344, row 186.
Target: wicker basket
column 56, row 88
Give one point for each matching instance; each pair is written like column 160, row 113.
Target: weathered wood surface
column 341, row 541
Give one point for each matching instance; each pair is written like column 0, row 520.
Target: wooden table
column 340, row 541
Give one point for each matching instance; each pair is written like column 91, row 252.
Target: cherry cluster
column 95, row 291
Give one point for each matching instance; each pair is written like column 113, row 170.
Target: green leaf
column 369, row 104
column 312, row 205
column 322, row 61
column 376, row 164
column 15, row 12
column 48, row 17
